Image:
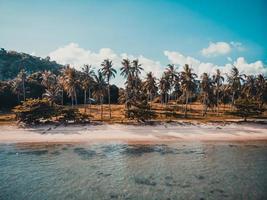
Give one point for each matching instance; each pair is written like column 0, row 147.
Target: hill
column 11, row 62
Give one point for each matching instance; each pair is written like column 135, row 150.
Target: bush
column 141, row 112
column 72, row 114
column 247, row 108
column 32, row 111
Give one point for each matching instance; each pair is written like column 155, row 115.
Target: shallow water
column 121, row 171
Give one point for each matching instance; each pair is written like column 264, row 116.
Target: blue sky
column 139, row 27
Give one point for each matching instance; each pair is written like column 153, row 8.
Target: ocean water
column 121, row 171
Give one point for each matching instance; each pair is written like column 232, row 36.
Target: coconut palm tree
column 126, row 71
column 150, row 86
column 126, row 68
column 109, row 72
column 164, row 86
column 50, row 82
column 60, row 83
column 136, row 68
column 171, row 70
column 188, row 84
column 261, row 89
column 234, row 81
column 70, row 83
column 99, row 89
column 87, row 83
column 249, row 88
column 218, row 80
column 206, row 90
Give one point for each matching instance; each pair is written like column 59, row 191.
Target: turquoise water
column 120, row 171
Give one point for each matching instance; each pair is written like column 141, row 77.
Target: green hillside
column 11, row 62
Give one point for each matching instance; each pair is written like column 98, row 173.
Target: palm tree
column 206, row 89
column 60, row 82
column 249, row 87
column 150, row 85
column 261, row 89
column 87, row 82
column 126, row 70
column 50, row 82
column 164, row 86
column 172, row 74
column 218, row 81
column 136, row 68
column 234, row 80
column 187, row 84
column 100, row 89
column 70, row 83
column 109, row 72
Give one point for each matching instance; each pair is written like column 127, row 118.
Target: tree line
column 172, row 88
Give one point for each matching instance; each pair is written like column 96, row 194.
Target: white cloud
column 201, row 67
column 76, row 56
column 215, row 49
column 250, row 68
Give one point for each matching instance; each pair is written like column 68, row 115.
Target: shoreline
column 136, row 134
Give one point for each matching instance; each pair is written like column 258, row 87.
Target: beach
column 161, row 133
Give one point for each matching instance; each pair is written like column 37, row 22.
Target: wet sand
column 134, row 134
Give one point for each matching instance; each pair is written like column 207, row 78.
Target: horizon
column 156, row 33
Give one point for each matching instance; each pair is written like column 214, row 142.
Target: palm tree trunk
column 72, row 101
column 75, row 95
column 186, row 102
column 85, row 101
column 217, row 103
column 24, row 92
column 89, row 101
column 233, row 99
column 62, row 97
column 101, row 102
column 109, row 101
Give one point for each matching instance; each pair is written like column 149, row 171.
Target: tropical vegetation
column 56, row 88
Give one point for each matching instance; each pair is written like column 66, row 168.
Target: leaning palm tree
column 234, row 80
column 218, row 80
column 109, row 72
column 187, row 84
column 150, row 86
column 100, row 89
column 87, row 83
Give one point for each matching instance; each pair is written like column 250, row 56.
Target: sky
column 206, row 34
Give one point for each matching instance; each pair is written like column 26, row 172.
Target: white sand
column 134, row 134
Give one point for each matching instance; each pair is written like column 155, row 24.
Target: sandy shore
column 134, row 134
